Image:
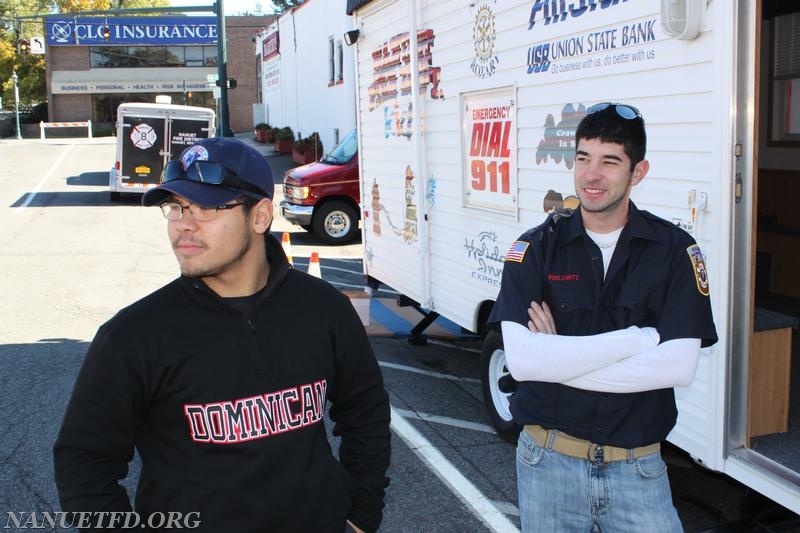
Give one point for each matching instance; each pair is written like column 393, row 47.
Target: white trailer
column 466, row 139
column 148, row 137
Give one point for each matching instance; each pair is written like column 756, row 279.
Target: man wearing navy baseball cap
column 220, row 379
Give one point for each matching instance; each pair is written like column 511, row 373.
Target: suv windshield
column 344, row 151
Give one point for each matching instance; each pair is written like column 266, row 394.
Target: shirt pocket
column 572, row 309
column 637, row 305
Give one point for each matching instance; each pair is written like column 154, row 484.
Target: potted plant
column 284, row 140
column 307, row 150
column 261, row 130
column 271, row 135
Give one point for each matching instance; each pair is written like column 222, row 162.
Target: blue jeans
column 558, row 493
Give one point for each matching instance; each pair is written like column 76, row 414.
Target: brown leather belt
column 584, row 449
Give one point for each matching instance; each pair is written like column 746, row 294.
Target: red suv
column 323, row 197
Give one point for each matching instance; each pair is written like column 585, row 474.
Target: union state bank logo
column 483, row 37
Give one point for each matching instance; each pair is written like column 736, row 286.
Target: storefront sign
column 81, row 31
column 490, row 149
column 99, row 87
column 270, row 46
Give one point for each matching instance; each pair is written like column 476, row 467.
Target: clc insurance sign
column 126, row 31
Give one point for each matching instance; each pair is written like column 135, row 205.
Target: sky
column 232, row 7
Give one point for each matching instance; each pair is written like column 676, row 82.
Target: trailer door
column 185, row 132
column 143, row 149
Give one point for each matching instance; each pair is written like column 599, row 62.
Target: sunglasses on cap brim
column 210, row 174
column 628, row 112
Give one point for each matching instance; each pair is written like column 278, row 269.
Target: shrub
column 284, row 134
column 309, row 144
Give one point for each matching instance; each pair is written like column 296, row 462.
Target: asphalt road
column 70, row 259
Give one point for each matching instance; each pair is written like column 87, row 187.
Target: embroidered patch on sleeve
column 517, row 251
column 699, row 267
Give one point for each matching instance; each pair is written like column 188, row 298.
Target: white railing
column 43, row 125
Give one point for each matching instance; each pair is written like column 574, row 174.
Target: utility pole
column 224, row 126
column 14, row 78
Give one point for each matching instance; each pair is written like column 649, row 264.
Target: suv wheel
column 336, row 222
column 498, row 386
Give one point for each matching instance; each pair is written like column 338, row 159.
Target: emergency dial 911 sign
column 490, row 149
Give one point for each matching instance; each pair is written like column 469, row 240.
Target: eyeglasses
column 209, row 173
column 628, row 112
column 174, row 211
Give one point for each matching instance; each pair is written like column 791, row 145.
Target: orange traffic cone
column 287, row 247
column 313, row 265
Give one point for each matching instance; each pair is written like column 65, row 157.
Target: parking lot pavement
column 434, row 387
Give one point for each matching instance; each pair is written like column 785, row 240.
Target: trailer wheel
column 114, row 196
column 336, row 222
column 498, row 386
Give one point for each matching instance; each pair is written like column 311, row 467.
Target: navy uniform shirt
column 656, row 278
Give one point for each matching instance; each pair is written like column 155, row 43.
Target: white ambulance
column 466, row 119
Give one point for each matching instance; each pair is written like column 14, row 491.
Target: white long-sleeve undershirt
column 626, row 360
column 670, row 364
column 558, row 358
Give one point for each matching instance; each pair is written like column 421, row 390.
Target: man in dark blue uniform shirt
column 616, row 302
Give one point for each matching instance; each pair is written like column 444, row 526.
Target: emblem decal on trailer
column 143, row 136
column 699, row 267
column 559, row 139
column 483, row 37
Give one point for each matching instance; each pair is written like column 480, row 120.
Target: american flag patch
column 517, row 251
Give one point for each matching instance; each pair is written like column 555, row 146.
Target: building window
column 331, row 61
column 104, row 106
column 152, row 56
column 194, row 56
column 340, row 59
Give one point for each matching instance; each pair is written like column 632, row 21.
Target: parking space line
column 439, row 375
column 447, row 421
column 482, row 507
column 46, row 177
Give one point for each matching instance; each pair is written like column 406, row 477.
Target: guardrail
column 43, row 125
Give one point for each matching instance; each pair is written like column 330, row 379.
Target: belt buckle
column 595, row 454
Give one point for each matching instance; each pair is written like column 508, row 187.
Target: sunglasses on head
column 628, row 112
column 208, row 173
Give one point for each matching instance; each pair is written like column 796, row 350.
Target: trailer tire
column 497, row 401
column 114, row 196
column 336, row 222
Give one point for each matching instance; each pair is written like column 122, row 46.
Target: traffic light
column 106, row 33
column 230, row 83
column 23, row 47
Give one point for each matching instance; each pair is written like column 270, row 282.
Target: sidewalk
column 279, row 163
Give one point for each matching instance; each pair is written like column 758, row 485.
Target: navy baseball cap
column 213, row 172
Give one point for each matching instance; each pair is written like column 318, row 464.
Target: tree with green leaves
column 282, row 6
column 76, row 6
column 30, row 68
